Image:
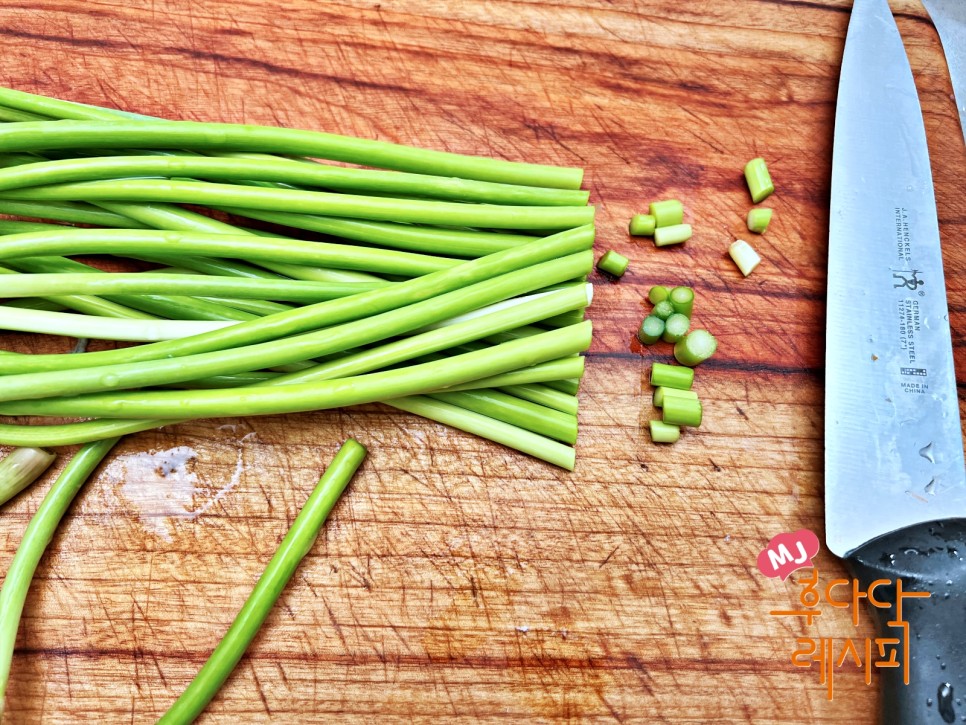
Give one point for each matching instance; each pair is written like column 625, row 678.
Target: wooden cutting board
column 458, row 580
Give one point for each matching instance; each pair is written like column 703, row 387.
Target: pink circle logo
column 786, row 553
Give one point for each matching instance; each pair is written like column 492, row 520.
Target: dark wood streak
column 616, row 663
column 208, row 55
column 846, row 9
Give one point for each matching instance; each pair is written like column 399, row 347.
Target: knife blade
column 895, row 485
column 949, row 17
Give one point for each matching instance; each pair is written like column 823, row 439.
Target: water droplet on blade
column 931, row 487
column 945, row 695
column 926, row 452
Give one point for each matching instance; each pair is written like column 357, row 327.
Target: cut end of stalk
column 21, row 468
column 641, row 225
column 682, row 411
column 759, row 179
column 673, row 234
column 651, row 330
column 662, row 432
column 682, row 299
column 695, row 347
column 744, row 256
column 671, row 376
column 666, row 213
column 613, row 263
column 657, row 293
column 759, row 219
column 675, row 327
column 663, row 309
column 662, row 392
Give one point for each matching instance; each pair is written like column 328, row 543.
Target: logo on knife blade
column 907, row 278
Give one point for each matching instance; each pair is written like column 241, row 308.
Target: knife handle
column 928, row 557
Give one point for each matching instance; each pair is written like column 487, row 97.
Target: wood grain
column 458, row 580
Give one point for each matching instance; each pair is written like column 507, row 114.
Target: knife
column 949, row 17
column 895, row 485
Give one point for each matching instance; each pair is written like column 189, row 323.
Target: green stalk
column 35, row 540
column 40, row 136
column 258, row 308
column 104, row 328
column 496, row 324
column 537, row 377
column 296, row 545
column 354, row 206
column 214, row 267
column 495, row 430
column 152, row 306
column 570, row 318
column 237, row 380
column 322, row 395
column 437, row 339
column 65, row 434
column 34, row 303
column 69, row 434
column 20, row 468
column 428, row 240
column 11, row 114
column 517, row 302
column 8, row 226
column 87, row 305
column 325, row 313
column 321, row 274
column 541, row 393
column 7, row 160
column 280, row 352
column 173, row 218
column 570, row 387
column 42, row 106
column 544, row 396
column 121, row 241
column 535, row 374
column 146, row 283
column 286, row 171
column 521, row 413
column 66, row 211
